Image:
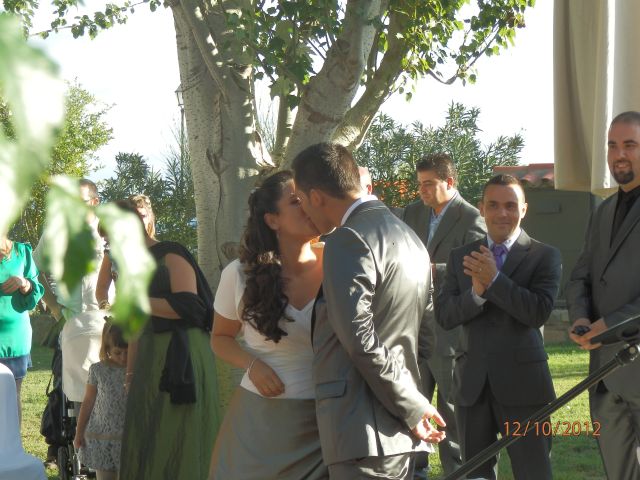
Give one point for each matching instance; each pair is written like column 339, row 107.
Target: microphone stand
column 627, row 332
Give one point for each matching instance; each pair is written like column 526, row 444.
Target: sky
column 134, row 68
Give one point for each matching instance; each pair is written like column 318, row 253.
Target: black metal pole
column 628, row 354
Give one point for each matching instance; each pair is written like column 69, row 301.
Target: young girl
column 101, row 418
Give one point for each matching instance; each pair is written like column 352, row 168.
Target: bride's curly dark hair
column 264, row 298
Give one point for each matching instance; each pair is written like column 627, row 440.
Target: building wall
column 560, row 218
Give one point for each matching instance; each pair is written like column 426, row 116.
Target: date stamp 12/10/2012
column 549, row 429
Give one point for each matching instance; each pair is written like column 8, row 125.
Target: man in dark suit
column 443, row 220
column 371, row 414
column 604, row 290
column 501, row 290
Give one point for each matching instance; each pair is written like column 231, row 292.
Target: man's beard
column 623, row 177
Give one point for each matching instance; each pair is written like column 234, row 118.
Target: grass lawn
column 34, row 399
column 573, row 457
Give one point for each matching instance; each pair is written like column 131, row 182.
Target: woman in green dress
column 172, row 415
column 19, row 293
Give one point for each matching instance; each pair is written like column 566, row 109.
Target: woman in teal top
column 19, row 293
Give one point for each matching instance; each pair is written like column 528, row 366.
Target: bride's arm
column 226, row 347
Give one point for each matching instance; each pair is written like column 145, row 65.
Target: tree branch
column 210, row 32
column 329, row 94
column 283, row 129
column 101, row 20
column 356, row 122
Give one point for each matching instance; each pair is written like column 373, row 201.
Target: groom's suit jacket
column 365, row 337
column 501, row 339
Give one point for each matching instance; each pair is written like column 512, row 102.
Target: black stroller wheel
column 65, row 467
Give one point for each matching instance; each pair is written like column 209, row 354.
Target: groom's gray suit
column 365, row 337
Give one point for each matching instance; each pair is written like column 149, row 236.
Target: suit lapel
column 517, row 254
column 422, row 221
column 319, row 297
column 630, row 221
column 446, row 224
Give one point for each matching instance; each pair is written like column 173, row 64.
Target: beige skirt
column 268, row 439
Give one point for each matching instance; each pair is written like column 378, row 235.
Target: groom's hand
column 426, row 431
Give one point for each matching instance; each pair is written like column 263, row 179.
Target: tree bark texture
column 226, row 151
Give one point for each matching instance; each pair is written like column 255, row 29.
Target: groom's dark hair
column 329, row 167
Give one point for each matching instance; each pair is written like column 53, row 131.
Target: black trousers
column 479, row 426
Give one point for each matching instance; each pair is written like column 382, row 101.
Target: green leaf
column 68, row 239
column 126, row 241
column 35, row 97
column 284, row 30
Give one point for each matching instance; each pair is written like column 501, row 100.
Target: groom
column 371, row 415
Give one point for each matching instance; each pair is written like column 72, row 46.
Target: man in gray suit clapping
column 371, row 414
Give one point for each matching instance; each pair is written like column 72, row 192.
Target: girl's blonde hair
column 142, row 201
column 111, row 337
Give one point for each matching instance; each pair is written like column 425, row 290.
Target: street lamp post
column 180, row 99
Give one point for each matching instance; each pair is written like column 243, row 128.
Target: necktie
column 499, row 252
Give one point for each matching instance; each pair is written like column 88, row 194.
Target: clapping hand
column 15, row 283
column 481, row 267
column 426, row 431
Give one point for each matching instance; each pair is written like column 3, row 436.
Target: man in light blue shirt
column 443, row 220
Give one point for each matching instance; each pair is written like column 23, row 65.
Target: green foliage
column 171, row 192
column 84, row 131
column 177, row 220
column 283, row 40
column 91, row 24
column 35, row 102
column 34, row 97
column 391, row 151
column 23, row 9
column 132, row 175
column 5, row 120
column 442, row 39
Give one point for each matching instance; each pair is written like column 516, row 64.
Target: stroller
column 69, row 467
column 58, row 424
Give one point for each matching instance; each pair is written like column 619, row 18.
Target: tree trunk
column 226, row 151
